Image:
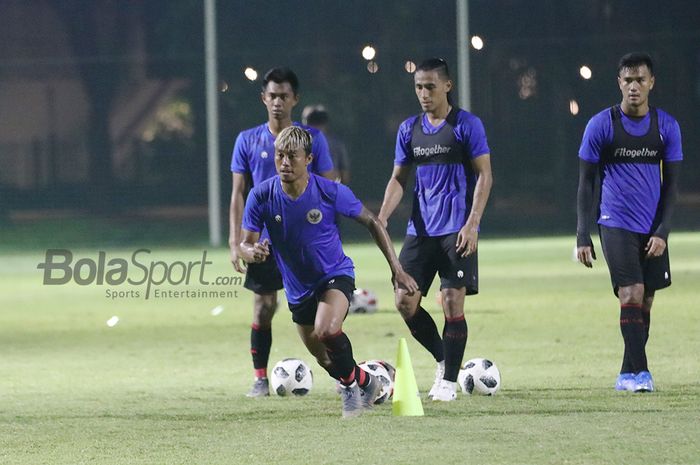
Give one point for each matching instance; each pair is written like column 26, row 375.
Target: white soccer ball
column 479, row 376
column 385, row 374
column 291, row 376
column 363, row 301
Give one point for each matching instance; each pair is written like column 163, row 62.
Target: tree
column 98, row 32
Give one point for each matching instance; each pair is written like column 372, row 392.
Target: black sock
column 260, row 343
column 339, row 350
column 454, row 339
column 626, row 362
column 425, row 331
column 361, row 376
column 632, row 328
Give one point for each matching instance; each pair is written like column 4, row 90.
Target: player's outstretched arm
column 587, row 173
column 253, row 251
column 383, row 241
column 393, row 192
column 238, row 189
column 468, row 236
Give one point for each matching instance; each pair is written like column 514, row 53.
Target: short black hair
column 635, row 60
column 435, row 64
column 281, row 75
column 317, row 116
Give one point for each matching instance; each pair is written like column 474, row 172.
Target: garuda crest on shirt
column 314, row 216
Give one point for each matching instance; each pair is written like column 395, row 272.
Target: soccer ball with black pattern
column 385, row 374
column 291, row 376
column 479, row 376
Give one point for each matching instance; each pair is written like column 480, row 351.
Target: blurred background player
column 299, row 211
column 637, row 151
column 316, row 116
column 252, row 163
column 453, row 181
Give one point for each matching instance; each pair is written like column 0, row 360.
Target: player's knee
column 325, row 331
column 631, row 295
column 406, row 307
column 264, row 309
column 453, row 302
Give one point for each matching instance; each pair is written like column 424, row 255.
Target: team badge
column 314, row 216
column 278, row 218
column 460, row 274
column 263, row 154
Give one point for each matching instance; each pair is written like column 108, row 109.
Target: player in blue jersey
column 636, row 150
column 453, row 180
column 299, row 211
column 252, row 163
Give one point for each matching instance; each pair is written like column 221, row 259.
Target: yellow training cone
column 406, row 396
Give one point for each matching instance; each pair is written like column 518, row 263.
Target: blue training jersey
column 254, row 153
column 630, row 188
column 304, row 231
column 444, row 186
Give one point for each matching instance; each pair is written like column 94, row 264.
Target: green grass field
column 166, row 384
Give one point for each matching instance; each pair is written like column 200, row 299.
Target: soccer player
column 317, row 117
column 252, row 163
column 636, row 149
column 453, row 181
column 299, row 211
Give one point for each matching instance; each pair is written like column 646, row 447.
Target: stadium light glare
column 410, row 67
column 369, row 52
column 372, row 67
column 250, row 73
column 477, row 42
column 573, row 107
column 585, row 72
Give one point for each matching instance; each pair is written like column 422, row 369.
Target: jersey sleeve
column 473, row 135
column 322, row 161
column 239, row 159
column 594, row 137
column 253, row 213
column 672, row 139
column 346, row 203
column 402, row 153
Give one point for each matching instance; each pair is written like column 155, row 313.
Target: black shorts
column 304, row 313
column 627, row 261
column 263, row 277
column 423, row 256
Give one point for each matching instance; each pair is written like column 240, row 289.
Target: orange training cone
column 406, row 396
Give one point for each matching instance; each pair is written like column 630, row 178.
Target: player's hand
column 261, row 250
column 655, row 247
column 403, row 280
column 586, row 255
column 467, row 240
column 237, row 260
